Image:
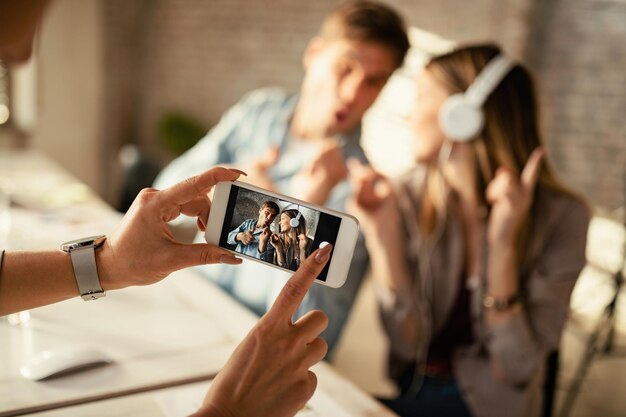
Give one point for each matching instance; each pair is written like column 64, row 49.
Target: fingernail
column 323, row 254
column 230, row 260
column 238, row 171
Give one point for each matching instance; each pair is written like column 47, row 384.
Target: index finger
column 190, row 188
column 530, row 173
column 296, row 287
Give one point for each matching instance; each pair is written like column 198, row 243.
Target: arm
column 268, row 254
column 516, row 343
column 263, row 246
column 315, row 182
column 375, row 205
column 304, row 245
column 520, row 337
column 277, row 244
column 33, row 279
column 268, row 374
column 233, row 235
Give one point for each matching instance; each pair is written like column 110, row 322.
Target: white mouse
column 52, row 363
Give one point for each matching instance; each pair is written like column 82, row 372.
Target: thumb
column 203, row 254
column 530, row 173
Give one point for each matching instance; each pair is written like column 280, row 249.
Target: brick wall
column 578, row 50
column 200, row 57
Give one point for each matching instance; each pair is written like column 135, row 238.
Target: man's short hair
column 368, row 21
column 271, row 205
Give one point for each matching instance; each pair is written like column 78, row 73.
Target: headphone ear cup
column 459, row 120
column 296, row 221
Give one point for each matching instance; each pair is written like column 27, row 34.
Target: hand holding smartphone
column 280, row 231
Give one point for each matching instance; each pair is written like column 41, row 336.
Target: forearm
column 302, row 254
column 399, row 316
column 233, row 237
column 280, row 258
column 33, row 279
column 502, row 281
column 387, row 262
column 513, row 351
column 319, row 193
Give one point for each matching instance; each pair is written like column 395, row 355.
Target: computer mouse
column 58, row 362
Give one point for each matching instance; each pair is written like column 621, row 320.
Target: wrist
column 106, row 266
column 502, row 278
column 502, row 240
column 501, row 304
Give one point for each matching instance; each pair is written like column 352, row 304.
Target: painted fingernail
column 238, row 171
column 230, row 260
column 323, row 254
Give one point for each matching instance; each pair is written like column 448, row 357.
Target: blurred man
column 304, row 141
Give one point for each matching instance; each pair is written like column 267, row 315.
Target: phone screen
column 275, row 231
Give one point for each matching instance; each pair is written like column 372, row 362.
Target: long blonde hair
column 510, row 134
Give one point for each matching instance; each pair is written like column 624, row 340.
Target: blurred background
column 159, row 73
column 118, row 88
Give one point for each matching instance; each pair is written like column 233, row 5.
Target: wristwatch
column 82, row 252
column 500, row 304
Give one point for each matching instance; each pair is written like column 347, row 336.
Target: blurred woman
column 291, row 244
column 475, row 251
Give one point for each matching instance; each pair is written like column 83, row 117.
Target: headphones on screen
column 461, row 117
column 295, row 222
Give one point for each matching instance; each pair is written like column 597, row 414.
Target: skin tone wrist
column 501, row 272
column 502, row 282
column 109, row 280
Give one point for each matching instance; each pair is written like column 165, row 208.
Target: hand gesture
column 315, row 182
column 246, row 237
column 276, row 242
column 143, row 250
column 258, row 169
column 265, row 235
column 372, row 201
column 268, row 374
column 510, row 198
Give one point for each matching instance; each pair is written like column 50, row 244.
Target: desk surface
column 179, row 331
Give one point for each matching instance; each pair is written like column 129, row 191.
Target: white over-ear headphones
column 461, row 116
column 295, row 222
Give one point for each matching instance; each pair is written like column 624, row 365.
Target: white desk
column 334, row 397
column 179, row 331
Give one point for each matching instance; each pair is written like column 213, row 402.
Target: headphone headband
column 488, row 79
column 294, row 222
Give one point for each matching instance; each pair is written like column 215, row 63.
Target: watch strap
column 84, row 264
column 500, row 304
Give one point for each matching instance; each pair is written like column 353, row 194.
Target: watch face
column 94, row 241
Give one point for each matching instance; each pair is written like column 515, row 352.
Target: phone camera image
column 275, row 231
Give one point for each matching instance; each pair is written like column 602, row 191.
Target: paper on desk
column 183, row 401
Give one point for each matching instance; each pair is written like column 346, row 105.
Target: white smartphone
column 280, row 231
